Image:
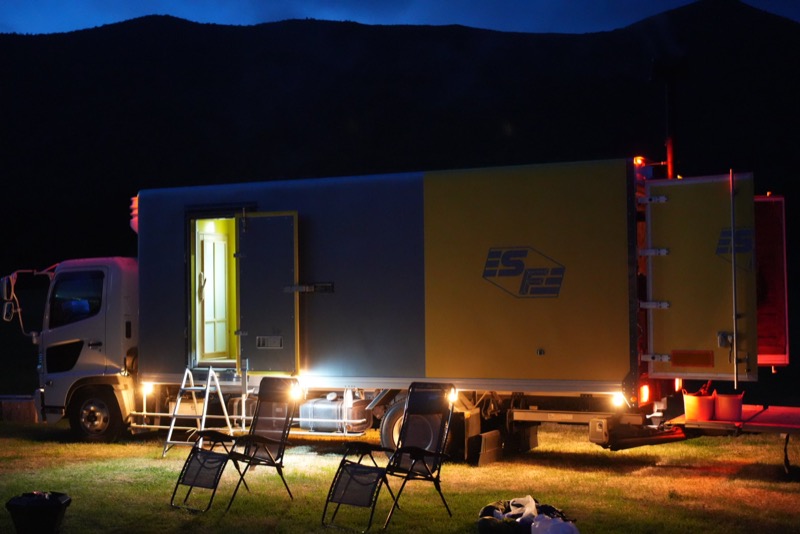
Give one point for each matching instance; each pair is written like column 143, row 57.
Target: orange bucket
column 728, row 407
column 698, row 407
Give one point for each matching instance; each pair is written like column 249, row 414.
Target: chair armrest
column 214, row 436
column 252, row 438
column 418, row 453
column 363, row 448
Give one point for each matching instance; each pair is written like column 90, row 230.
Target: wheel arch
column 121, row 387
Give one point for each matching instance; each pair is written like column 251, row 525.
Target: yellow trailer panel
column 527, row 272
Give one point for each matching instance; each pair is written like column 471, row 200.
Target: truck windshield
column 75, row 296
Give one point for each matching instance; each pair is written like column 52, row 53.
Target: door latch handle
column 95, row 344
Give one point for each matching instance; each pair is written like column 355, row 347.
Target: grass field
column 723, row 485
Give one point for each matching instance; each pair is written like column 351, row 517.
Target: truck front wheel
column 94, row 415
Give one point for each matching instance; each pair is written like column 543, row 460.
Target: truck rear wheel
column 390, row 425
column 422, row 430
column 94, row 415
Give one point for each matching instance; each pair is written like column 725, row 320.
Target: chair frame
column 362, row 451
column 409, row 461
column 425, row 464
column 252, row 449
column 201, row 458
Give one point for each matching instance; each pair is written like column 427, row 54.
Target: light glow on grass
column 709, row 484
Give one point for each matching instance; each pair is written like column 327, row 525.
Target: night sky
column 535, row 16
column 48, row 143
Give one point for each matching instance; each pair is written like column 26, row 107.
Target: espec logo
column 743, row 240
column 523, row 272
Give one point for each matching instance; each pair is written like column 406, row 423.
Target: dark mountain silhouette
column 88, row 118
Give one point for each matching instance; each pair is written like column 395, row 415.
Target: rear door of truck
column 701, row 278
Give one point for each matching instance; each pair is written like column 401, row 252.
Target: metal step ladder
column 188, row 387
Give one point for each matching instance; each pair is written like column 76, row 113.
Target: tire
column 94, row 415
column 422, row 431
column 391, row 423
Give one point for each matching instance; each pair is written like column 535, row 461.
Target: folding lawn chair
column 202, row 469
column 266, row 441
column 356, row 483
column 423, row 436
column 419, row 455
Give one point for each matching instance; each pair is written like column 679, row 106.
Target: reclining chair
column 263, row 445
column 357, row 483
column 418, row 457
column 266, row 441
column 202, row 469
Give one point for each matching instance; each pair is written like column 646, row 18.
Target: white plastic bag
column 543, row 524
column 523, row 510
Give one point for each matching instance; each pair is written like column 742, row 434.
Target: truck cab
column 88, row 344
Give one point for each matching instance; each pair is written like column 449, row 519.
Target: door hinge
column 654, row 305
column 654, row 252
column 655, row 357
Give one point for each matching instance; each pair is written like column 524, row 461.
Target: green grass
column 711, row 484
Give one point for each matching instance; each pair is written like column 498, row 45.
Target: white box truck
column 571, row 292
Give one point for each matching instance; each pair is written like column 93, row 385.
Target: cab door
column 268, row 300
column 701, row 291
column 73, row 339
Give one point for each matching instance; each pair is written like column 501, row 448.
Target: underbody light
column 453, row 395
column 147, row 388
column 296, row 392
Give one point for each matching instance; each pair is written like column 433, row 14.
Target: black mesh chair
column 266, row 440
column 423, row 436
column 357, row 483
column 202, row 469
column 418, row 457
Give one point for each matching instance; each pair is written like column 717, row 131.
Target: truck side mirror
column 8, row 311
column 8, row 288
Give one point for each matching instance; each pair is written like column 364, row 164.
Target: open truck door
column 772, row 283
column 268, row 292
column 701, row 279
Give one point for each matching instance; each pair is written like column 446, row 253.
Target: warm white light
column 147, row 388
column 296, row 392
column 453, row 395
column 618, row 399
